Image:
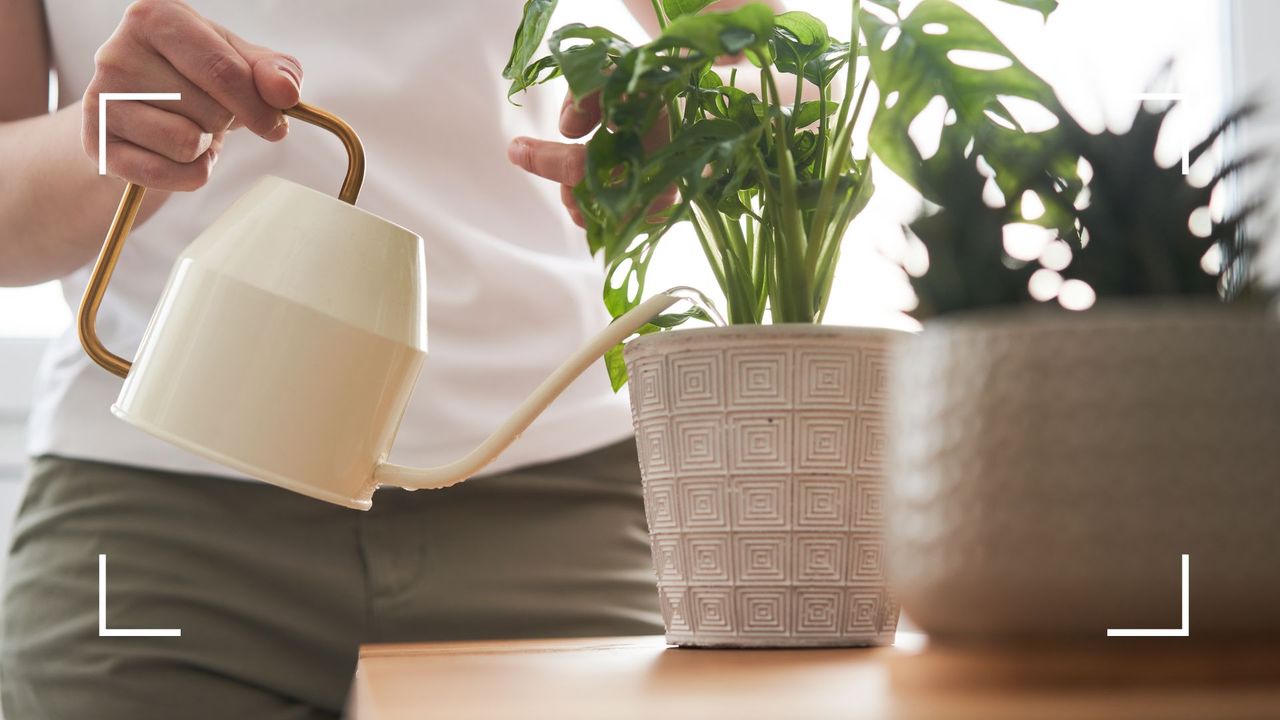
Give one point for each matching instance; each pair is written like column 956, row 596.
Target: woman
column 273, row 591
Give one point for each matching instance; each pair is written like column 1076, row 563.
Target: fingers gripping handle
column 127, row 213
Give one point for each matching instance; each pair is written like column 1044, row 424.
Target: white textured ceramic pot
column 1051, row 469
column 762, row 451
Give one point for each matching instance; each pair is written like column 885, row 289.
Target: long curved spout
column 455, row 472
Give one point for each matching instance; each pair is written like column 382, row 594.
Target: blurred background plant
column 1120, row 225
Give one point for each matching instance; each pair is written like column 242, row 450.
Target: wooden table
column 624, row 678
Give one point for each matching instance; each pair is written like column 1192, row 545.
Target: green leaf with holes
column 928, row 60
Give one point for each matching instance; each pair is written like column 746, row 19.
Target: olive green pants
column 273, row 592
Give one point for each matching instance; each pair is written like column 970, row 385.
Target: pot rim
column 756, row 333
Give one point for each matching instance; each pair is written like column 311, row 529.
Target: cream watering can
column 289, row 338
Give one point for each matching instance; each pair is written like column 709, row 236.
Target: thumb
column 278, row 79
column 277, row 76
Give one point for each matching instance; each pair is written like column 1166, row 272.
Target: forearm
column 54, row 207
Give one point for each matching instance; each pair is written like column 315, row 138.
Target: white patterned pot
column 1049, row 471
column 762, row 452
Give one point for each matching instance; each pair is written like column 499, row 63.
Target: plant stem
column 795, row 105
column 788, row 209
column 821, row 234
column 708, row 218
column 662, row 17
column 714, row 260
column 851, row 66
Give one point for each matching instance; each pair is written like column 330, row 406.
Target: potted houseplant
column 1060, row 463
column 762, row 443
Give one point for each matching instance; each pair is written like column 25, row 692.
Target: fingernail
column 516, row 151
column 291, row 71
column 280, row 130
column 206, row 140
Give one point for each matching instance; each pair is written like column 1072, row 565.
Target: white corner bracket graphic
column 103, row 630
column 103, row 99
column 1185, row 630
column 1186, row 141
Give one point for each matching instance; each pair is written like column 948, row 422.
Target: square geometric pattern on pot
column 873, row 386
column 699, row 441
column 661, row 504
column 708, row 558
column 760, row 378
column 826, row 378
column 824, row 441
column 704, row 504
column 695, row 380
column 820, row 557
column 760, row 557
column 863, row 610
column 668, row 560
column 818, row 612
column 866, row 558
column 889, row 613
column 653, row 442
column 762, row 611
column 712, row 610
column 869, row 443
column 761, row 502
column 868, row 502
column 675, row 608
column 759, row 443
column 821, row 502
column 648, row 394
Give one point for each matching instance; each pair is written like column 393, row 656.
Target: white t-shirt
column 512, row 290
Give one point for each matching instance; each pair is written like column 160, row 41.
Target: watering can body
column 286, row 343
column 289, row 337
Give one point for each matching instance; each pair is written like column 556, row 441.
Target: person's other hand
column 225, row 82
column 566, row 163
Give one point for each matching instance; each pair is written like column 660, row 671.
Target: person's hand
column 225, row 82
column 566, row 163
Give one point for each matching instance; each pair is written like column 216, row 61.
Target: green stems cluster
column 780, row 254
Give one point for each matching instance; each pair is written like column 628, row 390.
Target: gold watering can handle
column 128, row 211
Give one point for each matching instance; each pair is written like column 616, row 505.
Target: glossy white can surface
column 287, row 342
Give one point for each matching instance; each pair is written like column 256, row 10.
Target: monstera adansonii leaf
column 940, row 50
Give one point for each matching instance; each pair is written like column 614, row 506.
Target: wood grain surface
column 644, row 678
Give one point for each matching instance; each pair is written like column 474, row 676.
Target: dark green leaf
column 811, row 111
column 809, row 32
column 533, row 27
column 617, row 367
column 677, row 8
column 716, row 34
column 798, row 41
column 584, row 65
column 613, row 170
